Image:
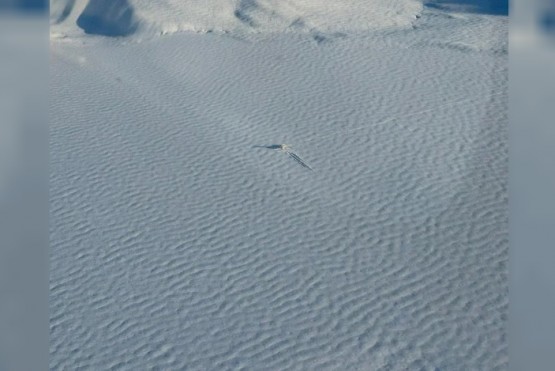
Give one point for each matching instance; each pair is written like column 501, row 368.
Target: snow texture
column 183, row 237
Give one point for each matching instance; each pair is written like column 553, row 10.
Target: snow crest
column 128, row 17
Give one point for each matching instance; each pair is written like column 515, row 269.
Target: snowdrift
column 127, row 17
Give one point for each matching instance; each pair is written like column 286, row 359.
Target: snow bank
column 125, row 17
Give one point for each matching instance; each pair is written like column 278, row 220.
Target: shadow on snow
column 492, row 7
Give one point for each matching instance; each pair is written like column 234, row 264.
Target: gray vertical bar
column 532, row 185
column 23, row 186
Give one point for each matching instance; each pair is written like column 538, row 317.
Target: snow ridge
column 132, row 17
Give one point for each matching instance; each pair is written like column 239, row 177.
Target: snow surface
column 146, row 17
column 184, row 237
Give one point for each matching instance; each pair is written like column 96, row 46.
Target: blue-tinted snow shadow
column 24, row 6
column 108, row 18
column 546, row 20
column 492, row 7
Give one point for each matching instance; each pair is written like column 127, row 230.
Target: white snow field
column 184, row 236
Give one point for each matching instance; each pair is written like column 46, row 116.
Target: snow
column 145, row 17
column 183, row 237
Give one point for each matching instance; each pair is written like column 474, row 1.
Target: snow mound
column 108, row 18
column 126, row 17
